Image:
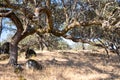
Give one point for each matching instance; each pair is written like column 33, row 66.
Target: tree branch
column 75, row 24
column 83, row 41
column 26, row 11
column 7, row 1
column 65, row 11
column 106, row 5
column 4, row 13
column 25, row 34
column 16, row 21
column 48, row 12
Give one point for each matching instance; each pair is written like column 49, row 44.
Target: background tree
column 43, row 42
column 84, row 21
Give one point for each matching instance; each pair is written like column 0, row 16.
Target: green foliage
column 30, row 41
column 49, row 41
column 63, row 15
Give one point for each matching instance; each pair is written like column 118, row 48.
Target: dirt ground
column 67, row 65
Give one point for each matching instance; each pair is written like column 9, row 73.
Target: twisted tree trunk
column 13, row 48
column 16, row 38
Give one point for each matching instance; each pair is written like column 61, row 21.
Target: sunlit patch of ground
column 67, row 65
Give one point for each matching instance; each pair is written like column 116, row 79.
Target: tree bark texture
column 13, row 54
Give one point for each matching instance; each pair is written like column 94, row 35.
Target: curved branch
column 4, row 13
column 25, row 34
column 75, row 24
column 48, row 12
column 83, row 41
column 27, row 11
column 116, row 20
column 65, row 11
column 106, row 5
column 104, row 47
column 16, row 21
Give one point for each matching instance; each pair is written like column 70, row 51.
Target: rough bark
column 13, row 54
column 16, row 38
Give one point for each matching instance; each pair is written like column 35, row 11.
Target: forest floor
column 67, row 65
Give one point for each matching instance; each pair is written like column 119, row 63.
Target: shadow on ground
column 89, row 62
column 79, row 63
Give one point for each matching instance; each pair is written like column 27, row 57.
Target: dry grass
column 67, row 65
